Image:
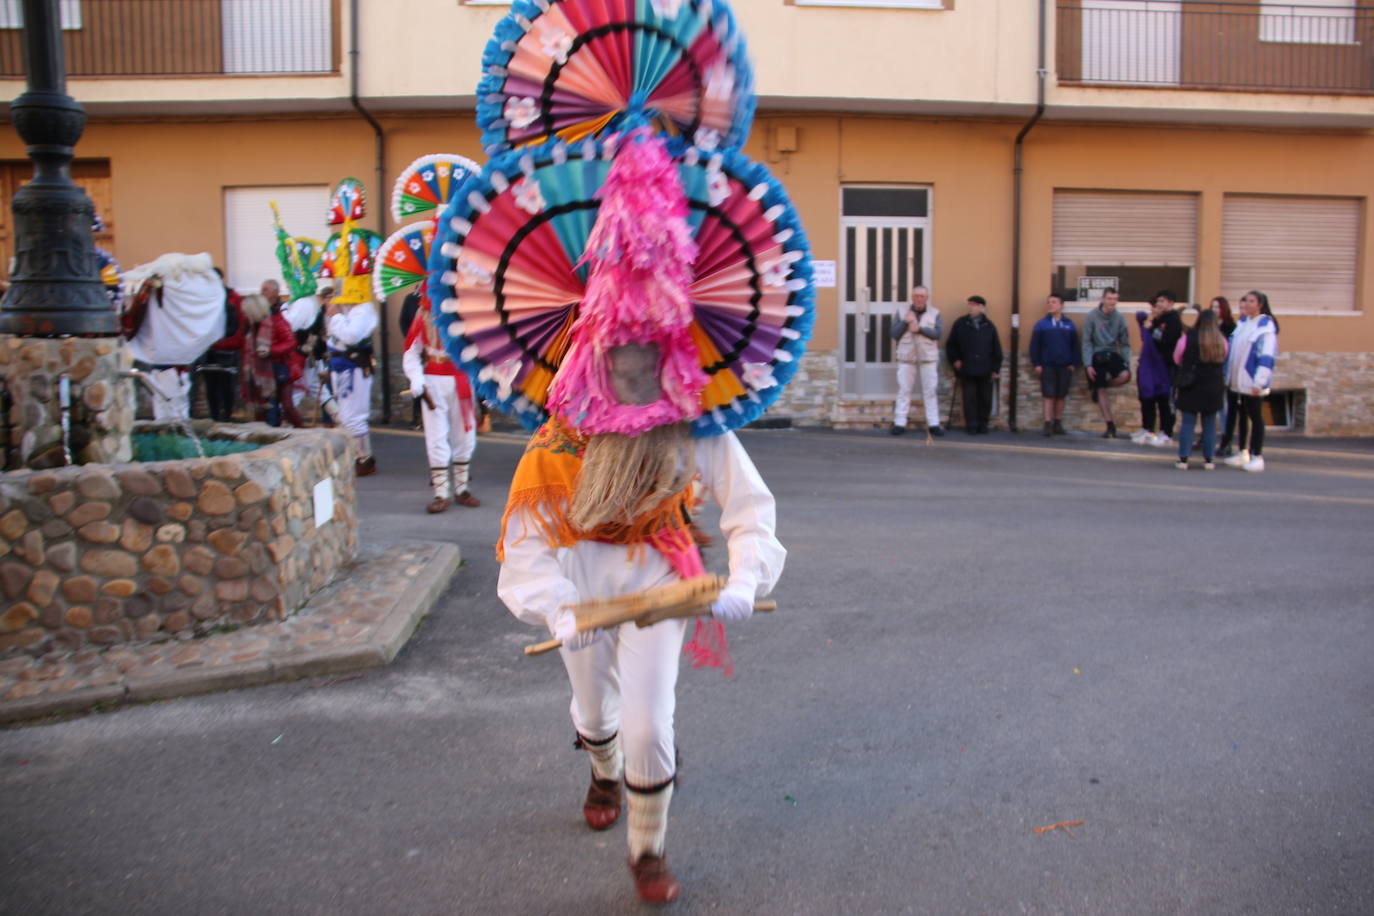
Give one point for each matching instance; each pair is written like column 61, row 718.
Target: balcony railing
column 169, row 38
column 1254, row 47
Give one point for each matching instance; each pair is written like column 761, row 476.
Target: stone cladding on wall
column 102, row 554
column 102, row 402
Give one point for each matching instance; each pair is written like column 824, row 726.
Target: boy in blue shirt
column 1054, row 354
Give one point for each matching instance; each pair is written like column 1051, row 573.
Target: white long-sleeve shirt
column 349, row 327
column 536, row 579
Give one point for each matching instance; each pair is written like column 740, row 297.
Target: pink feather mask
column 640, row 253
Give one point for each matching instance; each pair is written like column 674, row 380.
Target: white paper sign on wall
column 324, row 501
column 823, row 274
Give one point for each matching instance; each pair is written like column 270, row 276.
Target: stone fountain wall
column 102, row 400
column 102, row 554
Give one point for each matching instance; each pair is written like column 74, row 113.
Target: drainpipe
column 1041, row 74
column 378, row 197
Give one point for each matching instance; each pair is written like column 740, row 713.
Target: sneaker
column 1141, row 436
column 935, row 431
column 1239, row 459
column 1161, row 440
column 1255, row 464
column 1209, row 466
column 1181, row 465
column 1059, row 428
column 897, row 430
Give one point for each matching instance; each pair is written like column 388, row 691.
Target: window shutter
column 1113, row 227
column 1302, row 252
column 250, row 242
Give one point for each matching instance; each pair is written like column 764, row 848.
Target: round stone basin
column 99, row 554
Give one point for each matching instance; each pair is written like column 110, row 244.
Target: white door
column 882, row 258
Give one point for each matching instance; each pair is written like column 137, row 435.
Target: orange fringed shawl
column 542, row 489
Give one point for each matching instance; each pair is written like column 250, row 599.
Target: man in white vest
column 917, row 332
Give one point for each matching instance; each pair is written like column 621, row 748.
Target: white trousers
column 353, row 392
column 446, row 440
column 626, row 681
column 177, row 385
column 930, row 391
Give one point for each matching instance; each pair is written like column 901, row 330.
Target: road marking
column 1154, row 456
column 1195, row 490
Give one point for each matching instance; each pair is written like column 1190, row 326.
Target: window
column 1302, row 252
column 879, row 4
column 277, row 36
column 1311, row 22
column 1131, row 42
column 12, row 14
column 250, row 242
column 1147, row 241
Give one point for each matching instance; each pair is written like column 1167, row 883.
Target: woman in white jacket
column 1249, row 372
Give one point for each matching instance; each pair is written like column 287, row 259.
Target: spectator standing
column 271, row 362
column 975, row 353
column 1106, row 354
column 220, row 365
column 1054, row 352
column 1226, row 323
column 1201, row 377
column 1249, row 372
column 1154, row 382
column 917, row 332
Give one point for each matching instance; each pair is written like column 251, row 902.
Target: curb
column 359, row 621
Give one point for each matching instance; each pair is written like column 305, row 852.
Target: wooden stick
column 540, row 648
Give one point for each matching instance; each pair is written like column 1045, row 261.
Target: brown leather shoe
column 602, row 807
column 436, row 505
column 467, row 499
column 653, row 881
column 365, row 467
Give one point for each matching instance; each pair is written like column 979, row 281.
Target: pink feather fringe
column 641, row 252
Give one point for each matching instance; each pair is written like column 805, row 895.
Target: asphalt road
column 975, row 639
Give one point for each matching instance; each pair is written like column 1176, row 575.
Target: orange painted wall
column 168, row 179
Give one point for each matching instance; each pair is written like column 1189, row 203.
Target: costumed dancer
column 301, row 260
column 446, row 408
column 345, row 294
column 636, row 296
column 439, row 387
column 174, row 311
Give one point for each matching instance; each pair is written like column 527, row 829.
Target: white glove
column 735, row 602
column 565, row 631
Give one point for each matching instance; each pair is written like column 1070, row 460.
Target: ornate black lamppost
column 55, row 287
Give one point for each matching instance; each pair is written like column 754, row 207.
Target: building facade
column 1210, row 148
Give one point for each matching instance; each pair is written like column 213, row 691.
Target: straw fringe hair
column 624, row 477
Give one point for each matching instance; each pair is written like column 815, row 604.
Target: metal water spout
column 64, row 400
column 156, row 390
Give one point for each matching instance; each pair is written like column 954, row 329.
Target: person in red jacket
column 271, row 362
column 219, row 367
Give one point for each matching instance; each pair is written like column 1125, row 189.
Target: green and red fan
column 428, row 184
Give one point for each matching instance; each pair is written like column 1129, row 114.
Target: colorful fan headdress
column 580, row 68
column 533, row 270
column 350, row 252
column 300, row 258
column 428, row 184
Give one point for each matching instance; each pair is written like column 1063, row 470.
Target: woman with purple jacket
column 1156, row 389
